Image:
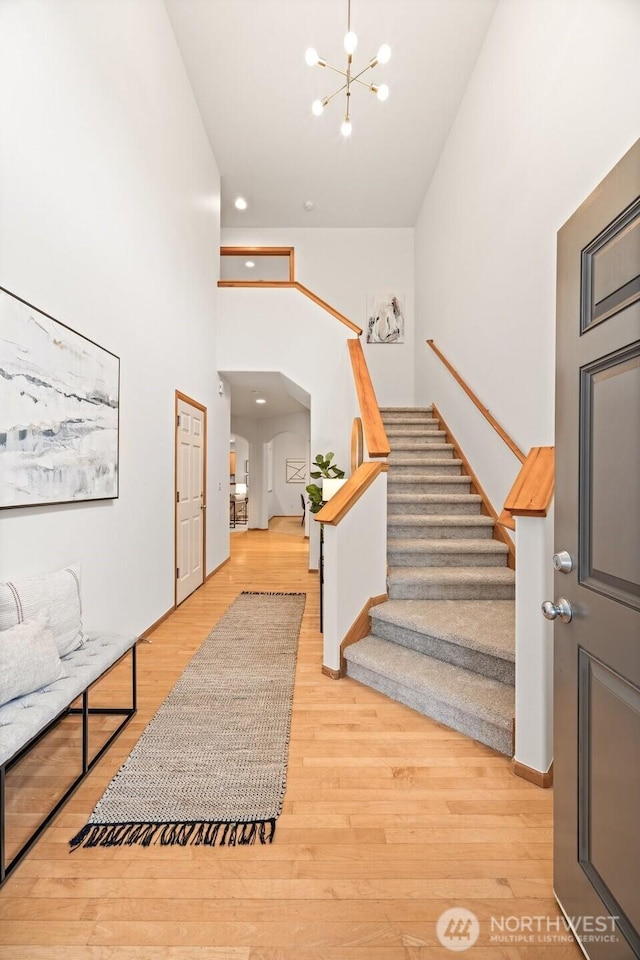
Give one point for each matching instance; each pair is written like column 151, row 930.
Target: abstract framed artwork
column 296, row 471
column 385, row 318
column 59, row 411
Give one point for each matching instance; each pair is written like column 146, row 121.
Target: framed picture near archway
column 59, row 410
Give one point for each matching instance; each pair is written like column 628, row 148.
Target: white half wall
column 343, row 266
column 552, row 105
column 355, row 566
column 109, row 221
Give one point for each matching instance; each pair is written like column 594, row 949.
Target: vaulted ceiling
column 245, row 61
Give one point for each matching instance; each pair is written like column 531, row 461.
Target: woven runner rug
column 211, row 766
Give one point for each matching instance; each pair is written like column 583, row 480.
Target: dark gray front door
column 597, row 510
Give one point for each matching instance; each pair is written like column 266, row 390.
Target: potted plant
column 326, row 469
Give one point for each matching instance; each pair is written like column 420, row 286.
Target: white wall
column 355, row 566
column 343, row 266
column 109, row 220
column 552, row 105
column 284, row 500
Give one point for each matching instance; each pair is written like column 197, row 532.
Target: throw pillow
column 29, row 658
column 58, row 594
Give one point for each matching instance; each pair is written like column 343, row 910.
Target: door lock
column 562, row 562
column 562, row 609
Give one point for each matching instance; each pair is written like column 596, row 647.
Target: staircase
column 444, row 642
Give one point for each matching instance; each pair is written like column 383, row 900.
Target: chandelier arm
column 362, row 83
column 358, row 75
column 328, row 99
column 335, row 69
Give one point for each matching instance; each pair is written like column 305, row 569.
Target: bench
column 26, row 720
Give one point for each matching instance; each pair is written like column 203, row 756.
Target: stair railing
column 502, row 433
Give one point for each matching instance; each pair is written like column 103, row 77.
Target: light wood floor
column 389, row 819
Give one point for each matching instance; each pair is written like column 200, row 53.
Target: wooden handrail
column 293, row 285
column 326, row 306
column 375, row 434
column 342, row 502
column 515, row 449
column 532, row 491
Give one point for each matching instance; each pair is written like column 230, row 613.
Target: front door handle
column 562, row 609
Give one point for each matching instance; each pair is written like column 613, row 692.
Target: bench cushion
column 22, row 719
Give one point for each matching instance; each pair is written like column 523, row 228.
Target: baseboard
column 360, row 627
column 215, row 570
column 540, row 779
column 333, row 674
column 154, row 626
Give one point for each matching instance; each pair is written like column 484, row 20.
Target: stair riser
column 391, row 422
column 425, row 558
column 492, row 735
column 434, row 451
column 451, row 591
column 417, row 443
column 428, row 486
column 408, row 430
column 406, row 414
column 423, row 469
column 413, row 507
column 421, row 532
column 459, row 656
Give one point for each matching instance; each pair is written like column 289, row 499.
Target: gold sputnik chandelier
column 350, row 75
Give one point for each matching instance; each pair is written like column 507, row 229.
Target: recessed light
column 241, row 203
column 249, row 263
column 260, row 400
column 309, row 205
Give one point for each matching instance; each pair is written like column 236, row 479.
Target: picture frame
column 296, row 470
column 59, row 411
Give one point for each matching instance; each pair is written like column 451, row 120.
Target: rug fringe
column 271, row 593
column 174, row 834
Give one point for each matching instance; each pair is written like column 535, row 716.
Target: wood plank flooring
column 389, row 819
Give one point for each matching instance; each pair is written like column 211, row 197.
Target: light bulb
column 384, row 53
column 249, row 264
column 346, row 127
column 317, row 107
column 240, row 203
column 350, row 42
column 382, row 92
column 311, row 56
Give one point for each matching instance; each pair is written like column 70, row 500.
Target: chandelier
column 350, row 76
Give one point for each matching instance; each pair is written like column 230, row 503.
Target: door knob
column 561, row 609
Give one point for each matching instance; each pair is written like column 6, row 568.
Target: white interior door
column 190, row 497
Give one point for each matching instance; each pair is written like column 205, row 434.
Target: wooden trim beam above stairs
column 487, row 507
column 502, row 433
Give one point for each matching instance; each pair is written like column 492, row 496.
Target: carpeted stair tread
column 477, row 706
column 424, row 466
column 439, row 520
column 487, row 626
column 432, row 504
column 444, row 552
column 405, row 411
column 407, row 479
column 433, row 448
column 398, row 420
column 418, row 442
column 411, row 428
column 451, row 583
